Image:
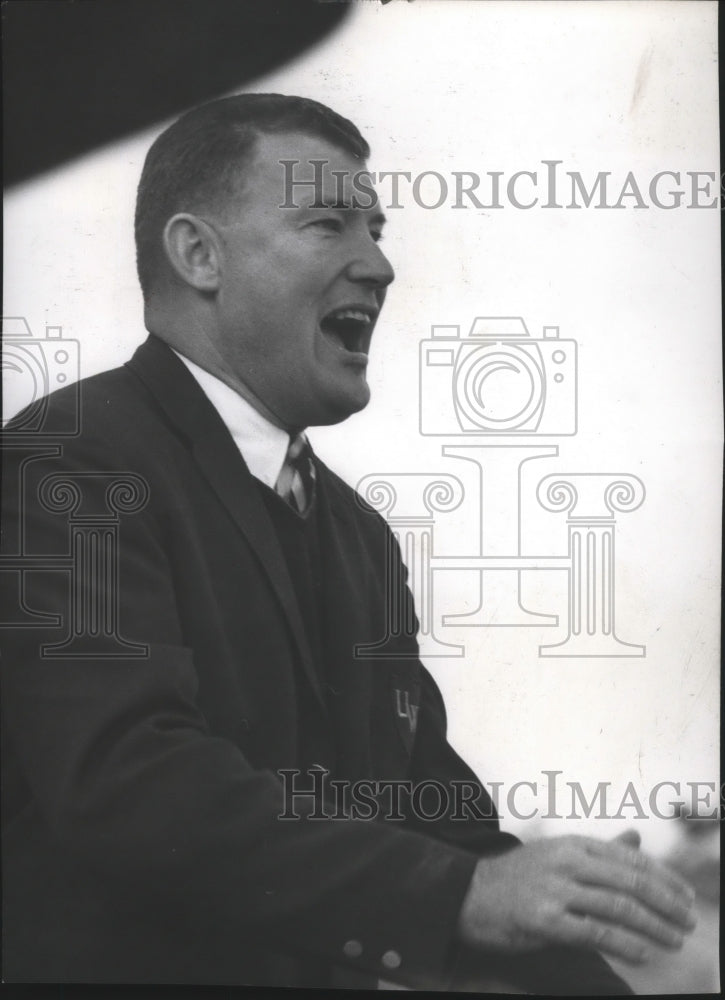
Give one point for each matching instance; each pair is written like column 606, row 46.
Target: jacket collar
column 188, row 409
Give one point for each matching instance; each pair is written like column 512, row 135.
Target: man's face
column 301, row 287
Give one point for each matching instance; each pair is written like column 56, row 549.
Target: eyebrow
column 380, row 218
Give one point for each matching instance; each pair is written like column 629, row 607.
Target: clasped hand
column 577, row 891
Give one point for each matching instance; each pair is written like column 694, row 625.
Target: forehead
column 296, row 169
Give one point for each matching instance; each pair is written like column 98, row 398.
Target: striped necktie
column 296, row 481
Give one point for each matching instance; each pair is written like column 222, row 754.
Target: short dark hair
column 195, row 163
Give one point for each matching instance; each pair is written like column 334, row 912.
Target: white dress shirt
column 262, row 445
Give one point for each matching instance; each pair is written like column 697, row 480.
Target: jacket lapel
column 214, row 450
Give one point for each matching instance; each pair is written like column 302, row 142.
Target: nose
column 370, row 266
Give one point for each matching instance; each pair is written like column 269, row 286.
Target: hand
column 577, row 891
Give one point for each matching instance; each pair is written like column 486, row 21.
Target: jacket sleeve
column 125, row 774
column 470, row 821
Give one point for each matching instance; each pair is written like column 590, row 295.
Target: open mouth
column 349, row 328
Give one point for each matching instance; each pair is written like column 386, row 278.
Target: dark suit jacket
column 142, row 834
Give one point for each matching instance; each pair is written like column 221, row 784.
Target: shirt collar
column 262, row 445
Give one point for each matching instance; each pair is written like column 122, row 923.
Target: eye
column 330, row 223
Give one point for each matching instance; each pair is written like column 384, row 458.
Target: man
column 149, row 833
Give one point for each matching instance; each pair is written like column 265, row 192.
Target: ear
column 192, row 248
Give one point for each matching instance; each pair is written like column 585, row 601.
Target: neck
column 192, row 340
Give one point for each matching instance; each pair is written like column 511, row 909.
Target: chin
column 341, row 408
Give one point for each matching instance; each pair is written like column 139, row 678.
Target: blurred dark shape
column 695, row 826
column 697, row 852
column 695, row 969
column 80, row 73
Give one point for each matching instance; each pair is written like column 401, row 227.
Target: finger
column 634, row 860
column 642, row 888
column 630, row 838
column 621, row 910
column 631, row 856
column 589, row 932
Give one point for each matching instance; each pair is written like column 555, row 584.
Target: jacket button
column 353, row 949
column 391, row 960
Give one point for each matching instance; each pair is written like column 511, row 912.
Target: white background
column 471, row 86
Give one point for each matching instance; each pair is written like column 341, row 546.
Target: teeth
column 349, row 327
column 355, row 314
